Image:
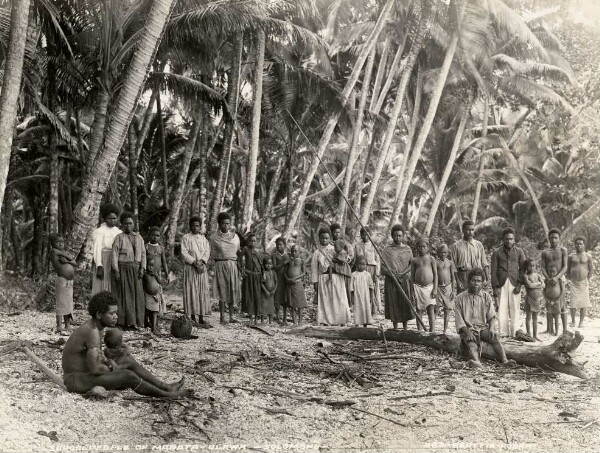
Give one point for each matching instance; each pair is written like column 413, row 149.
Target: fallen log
column 555, row 356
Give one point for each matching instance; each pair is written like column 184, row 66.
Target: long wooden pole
column 356, row 216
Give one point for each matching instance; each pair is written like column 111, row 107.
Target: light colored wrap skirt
column 227, row 284
column 423, row 296
column 103, row 284
column 196, row 292
column 333, row 308
column 64, row 296
column 580, row 294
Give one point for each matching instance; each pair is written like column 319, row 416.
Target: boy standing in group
column 64, row 266
column 534, row 285
column 446, row 290
column 558, row 256
column 579, row 272
column 425, row 282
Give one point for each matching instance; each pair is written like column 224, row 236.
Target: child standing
column 361, row 290
column 64, row 266
column 425, row 282
column 534, row 285
column 268, row 286
column 280, row 259
column 555, row 300
column 251, row 264
column 294, row 278
column 155, row 261
column 446, row 272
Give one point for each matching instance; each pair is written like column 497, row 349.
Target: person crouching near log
column 361, row 290
column 85, row 367
column 294, row 281
column 475, row 319
column 555, row 299
column 446, row 289
column 534, row 294
column 425, row 280
column 64, row 266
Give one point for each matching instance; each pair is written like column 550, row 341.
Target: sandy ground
column 254, row 394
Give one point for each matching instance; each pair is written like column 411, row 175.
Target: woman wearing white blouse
column 102, row 242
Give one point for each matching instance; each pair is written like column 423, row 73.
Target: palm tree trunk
column 183, row 174
column 233, row 90
column 394, row 68
column 86, row 210
column 98, row 127
column 11, row 85
column 54, row 176
column 254, row 140
column 433, row 104
column 411, row 136
column 417, row 43
column 146, row 123
column 355, row 142
column 380, row 73
column 532, row 194
column 163, row 150
column 203, row 152
column 484, row 132
column 333, row 119
column 133, row 169
column 448, row 169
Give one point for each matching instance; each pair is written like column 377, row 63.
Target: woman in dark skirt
column 251, row 260
column 129, row 265
column 280, row 259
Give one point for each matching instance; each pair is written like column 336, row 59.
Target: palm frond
column 58, row 126
column 530, row 68
column 531, row 91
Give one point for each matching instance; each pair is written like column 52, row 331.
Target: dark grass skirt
column 130, row 295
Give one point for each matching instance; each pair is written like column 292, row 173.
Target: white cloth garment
column 508, row 310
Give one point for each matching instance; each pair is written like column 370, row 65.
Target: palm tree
column 86, row 209
column 11, row 85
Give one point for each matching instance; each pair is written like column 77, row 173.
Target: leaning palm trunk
column 355, row 143
column 54, row 176
column 163, row 151
column 484, row 132
column 333, row 119
column 431, row 111
column 146, row 123
column 273, row 189
column 177, row 201
column 254, row 140
column 133, row 165
column 448, row 169
column 409, row 141
column 98, row 127
column 416, row 46
column 11, row 85
column 86, row 210
column 233, row 92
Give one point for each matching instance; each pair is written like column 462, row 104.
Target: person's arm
column 543, row 259
column 413, row 269
column 185, row 251
column 563, row 270
column 461, row 323
column 143, row 262
column 494, row 272
column 263, row 280
column 433, row 265
column 94, row 358
column 590, row 266
column 569, row 266
column 115, row 256
column 453, row 279
column 163, row 262
column 276, row 282
column 314, row 272
column 490, row 315
column 521, row 259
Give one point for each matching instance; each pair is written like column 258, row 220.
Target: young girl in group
column 294, row 279
column 361, row 290
column 268, row 286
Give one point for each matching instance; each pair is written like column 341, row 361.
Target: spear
column 381, row 257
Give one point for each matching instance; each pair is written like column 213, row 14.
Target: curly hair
column 508, row 230
column 100, row 302
column 397, row 227
column 223, row 216
column 109, row 208
column 126, row 215
column 280, row 240
column 554, row 230
column 476, row 272
column 324, row 230
column 194, row 219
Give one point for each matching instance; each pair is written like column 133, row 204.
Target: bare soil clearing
column 266, row 391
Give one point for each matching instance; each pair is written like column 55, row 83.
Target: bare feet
column 510, row 363
column 185, row 393
column 176, row 386
column 536, row 339
column 475, row 364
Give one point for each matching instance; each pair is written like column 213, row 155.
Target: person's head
column 110, row 214
column 336, row 231
column 580, row 244
column 224, row 221
column 397, row 234
column 113, row 338
column 475, row 277
column 195, row 224
column 154, row 235
column 364, row 234
column 251, row 240
column 280, row 244
column 103, row 308
column 324, row 236
column 361, row 263
column 57, row 241
column 552, row 269
column 508, row 238
column 553, row 237
column 295, row 251
column 268, row 263
column 339, row 245
column 529, row 265
column 127, row 222
column 442, row 251
column 422, row 246
column 468, row 229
